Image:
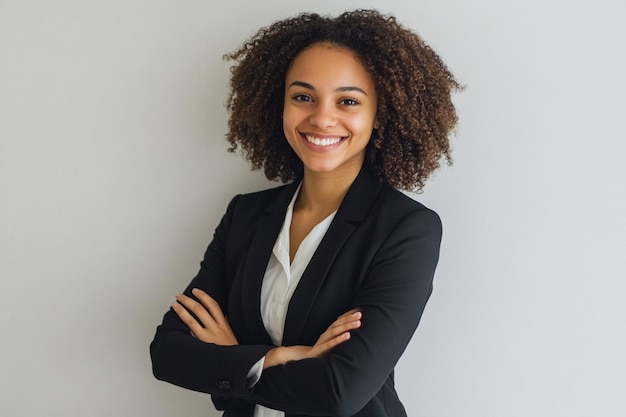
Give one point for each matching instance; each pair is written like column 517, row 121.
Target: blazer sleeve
column 179, row 358
column 392, row 297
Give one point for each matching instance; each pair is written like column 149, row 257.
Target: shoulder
column 402, row 207
column 263, row 198
column 251, row 205
column 265, row 195
column 396, row 219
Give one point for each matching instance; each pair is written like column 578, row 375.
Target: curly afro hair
column 415, row 114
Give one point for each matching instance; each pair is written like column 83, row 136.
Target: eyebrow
column 339, row 89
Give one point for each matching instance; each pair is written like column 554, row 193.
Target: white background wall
column 114, row 172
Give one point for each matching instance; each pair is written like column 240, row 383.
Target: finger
column 351, row 325
column 338, row 330
column 323, row 348
column 349, row 313
column 343, row 320
column 201, row 313
column 216, row 327
column 193, row 325
column 211, row 305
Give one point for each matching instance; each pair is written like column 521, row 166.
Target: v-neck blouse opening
column 282, row 276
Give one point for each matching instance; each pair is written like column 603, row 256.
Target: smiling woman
column 309, row 292
column 329, row 111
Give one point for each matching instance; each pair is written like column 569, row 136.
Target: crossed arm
column 211, row 326
column 390, row 300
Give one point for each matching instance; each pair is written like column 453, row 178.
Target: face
column 329, row 110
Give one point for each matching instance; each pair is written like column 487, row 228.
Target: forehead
column 328, row 63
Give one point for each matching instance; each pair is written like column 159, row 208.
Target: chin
column 319, row 169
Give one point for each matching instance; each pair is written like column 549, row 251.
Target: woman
column 309, row 293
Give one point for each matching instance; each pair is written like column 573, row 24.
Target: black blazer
column 379, row 254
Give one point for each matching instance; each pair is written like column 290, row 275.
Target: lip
column 322, row 141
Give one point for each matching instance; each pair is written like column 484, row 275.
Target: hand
column 337, row 333
column 213, row 326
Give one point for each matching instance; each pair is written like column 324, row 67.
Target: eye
column 349, row 102
column 302, row 98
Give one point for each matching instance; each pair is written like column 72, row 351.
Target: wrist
column 274, row 357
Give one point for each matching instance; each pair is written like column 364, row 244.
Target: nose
column 323, row 115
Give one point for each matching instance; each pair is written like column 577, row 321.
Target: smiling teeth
column 322, row 142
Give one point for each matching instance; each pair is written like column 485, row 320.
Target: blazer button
column 223, row 385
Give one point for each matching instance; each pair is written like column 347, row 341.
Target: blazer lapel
column 351, row 212
column 268, row 227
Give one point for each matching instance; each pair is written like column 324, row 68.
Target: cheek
column 291, row 119
column 289, row 128
column 362, row 123
column 286, row 122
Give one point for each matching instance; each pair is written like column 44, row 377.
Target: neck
column 323, row 192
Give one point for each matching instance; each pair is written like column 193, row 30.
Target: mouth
column 326, row 141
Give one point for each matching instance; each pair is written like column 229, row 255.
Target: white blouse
column 279, row 282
